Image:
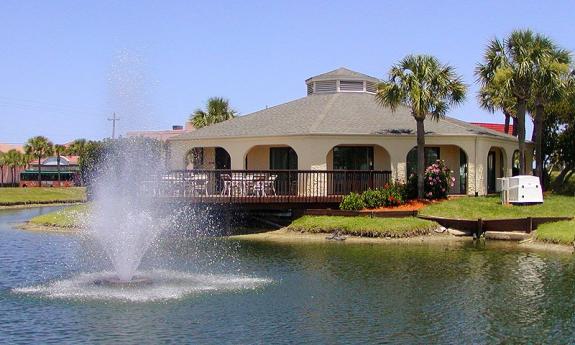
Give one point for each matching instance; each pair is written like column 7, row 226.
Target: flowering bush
column 392, row 194
column 437, row 179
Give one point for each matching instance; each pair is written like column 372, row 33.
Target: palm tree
column 13, row 159
column 217, row 110
column 428, row 87
column 39, row 147
column 2, row 165
column 512, row 65
column 550, row 84
column 492, row 99
column 59, row 150
column 77, row 147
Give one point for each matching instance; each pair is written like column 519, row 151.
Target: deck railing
column 265, row 186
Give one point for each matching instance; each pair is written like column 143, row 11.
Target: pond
column 284, row 293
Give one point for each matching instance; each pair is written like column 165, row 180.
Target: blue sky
column 65, row 66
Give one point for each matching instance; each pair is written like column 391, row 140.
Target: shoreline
column 28, row 226
column 40, row 204
column 287, row 236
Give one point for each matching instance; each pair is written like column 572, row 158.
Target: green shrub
column 373, row 198
column 352, row 202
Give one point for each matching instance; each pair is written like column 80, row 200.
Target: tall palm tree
column 39, row 147
column 428, row 87
column 550, row 84
column 512, row 65
column 59, row 150
column 13, row 159
column 217, row 110
column 2, row 165
column 493, row 99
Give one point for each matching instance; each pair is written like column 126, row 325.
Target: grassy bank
column 23, row 196
column 69, row 217
column 559, row 232
column 364, row 226
column 490, row 208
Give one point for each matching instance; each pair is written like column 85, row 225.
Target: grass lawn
column 364, row 226
column 490, row 208
column 69, row 217
column 16, row 196
column 559, row 232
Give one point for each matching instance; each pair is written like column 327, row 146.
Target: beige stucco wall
column 258, row 158
column 313, row 152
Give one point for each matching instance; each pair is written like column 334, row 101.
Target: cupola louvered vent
column 325, row 86
column 370, row 87
column 350, row 85
column 341, row 80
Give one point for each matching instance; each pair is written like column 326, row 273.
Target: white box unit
column 502, row 186
column 524, row 189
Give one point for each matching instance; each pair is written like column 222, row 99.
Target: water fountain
column 126, row 221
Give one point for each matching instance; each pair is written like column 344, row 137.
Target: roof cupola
column 341, row 80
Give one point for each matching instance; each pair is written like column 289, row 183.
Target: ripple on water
column 166, row 285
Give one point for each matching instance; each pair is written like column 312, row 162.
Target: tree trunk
column 1, row 176
column 58, row 165
column 507, row 116
column 514, row 132
column 39, row 172
column 521, row 106
column 420, row 158
column 538, row 133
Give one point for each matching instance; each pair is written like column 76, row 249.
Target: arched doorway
column 357, row 168
column 495, row 167
column 282, row 163
column 207, row 158
column 455, row 159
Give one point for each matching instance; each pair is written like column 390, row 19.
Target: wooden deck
column 288, row 188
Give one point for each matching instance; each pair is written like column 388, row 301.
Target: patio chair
column 227, row 179
column 200, row 187
column 269, row 185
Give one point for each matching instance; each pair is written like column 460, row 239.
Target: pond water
column 223, row 291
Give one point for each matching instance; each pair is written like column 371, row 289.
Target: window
column 283, row 158
column 431, row 155
column 353, row 158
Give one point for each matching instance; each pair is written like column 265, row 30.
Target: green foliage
column 372, row 198
column 422, row 83
column 352, row 202
column 392, row 194
column 364, row 226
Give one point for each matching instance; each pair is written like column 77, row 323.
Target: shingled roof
column 342, row 73
column 335, row 114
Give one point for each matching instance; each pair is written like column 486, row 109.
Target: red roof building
column 500, row 127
